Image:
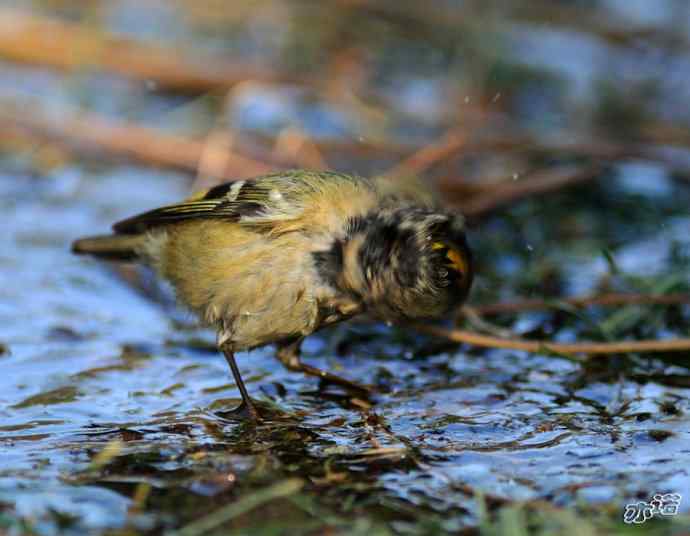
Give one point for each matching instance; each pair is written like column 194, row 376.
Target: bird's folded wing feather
column 263, row 201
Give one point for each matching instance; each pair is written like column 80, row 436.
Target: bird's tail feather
column 112, row 247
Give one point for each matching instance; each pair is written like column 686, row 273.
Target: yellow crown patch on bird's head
column 457, row 261
column 416, row 263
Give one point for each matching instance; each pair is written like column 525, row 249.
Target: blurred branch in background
column 573, row 16
column 538, row 183
column 91, row 134
column 68, row 46
column 74, row 47
column 605, row 300
column 579, row 18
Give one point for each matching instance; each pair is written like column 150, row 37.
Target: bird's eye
column 455, row 260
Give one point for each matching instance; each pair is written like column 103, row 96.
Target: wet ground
column 113, row 405
column 90, row 365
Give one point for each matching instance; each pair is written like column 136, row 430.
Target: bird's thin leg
column 288, row 353
column 247, row 406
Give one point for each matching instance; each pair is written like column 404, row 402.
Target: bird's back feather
column 267, row 203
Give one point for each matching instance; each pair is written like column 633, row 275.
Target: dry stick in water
column 486, row 341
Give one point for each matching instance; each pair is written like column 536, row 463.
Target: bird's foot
column 246, row 411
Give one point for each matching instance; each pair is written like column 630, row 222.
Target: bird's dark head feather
column 413, row 262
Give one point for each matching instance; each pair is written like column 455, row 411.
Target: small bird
column 272, row 259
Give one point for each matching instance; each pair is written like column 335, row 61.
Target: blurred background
column 560, row 128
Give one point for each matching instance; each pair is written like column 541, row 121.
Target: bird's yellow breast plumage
column 253, row 276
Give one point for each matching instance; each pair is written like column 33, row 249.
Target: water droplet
column 467, row 100
column 496, row 97
column 530, row 247
column 516, row 176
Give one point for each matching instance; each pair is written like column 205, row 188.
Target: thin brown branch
column 541, row 13
column 588, row 21
column 610, row 299
column 622, row 347
column 127, row 140
column 451, row 143
column 213, row 161
column 594, row 147
column 662, row 133
column 91, row 132
column 538, row 183
column 292, row 144
column 62, row 45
